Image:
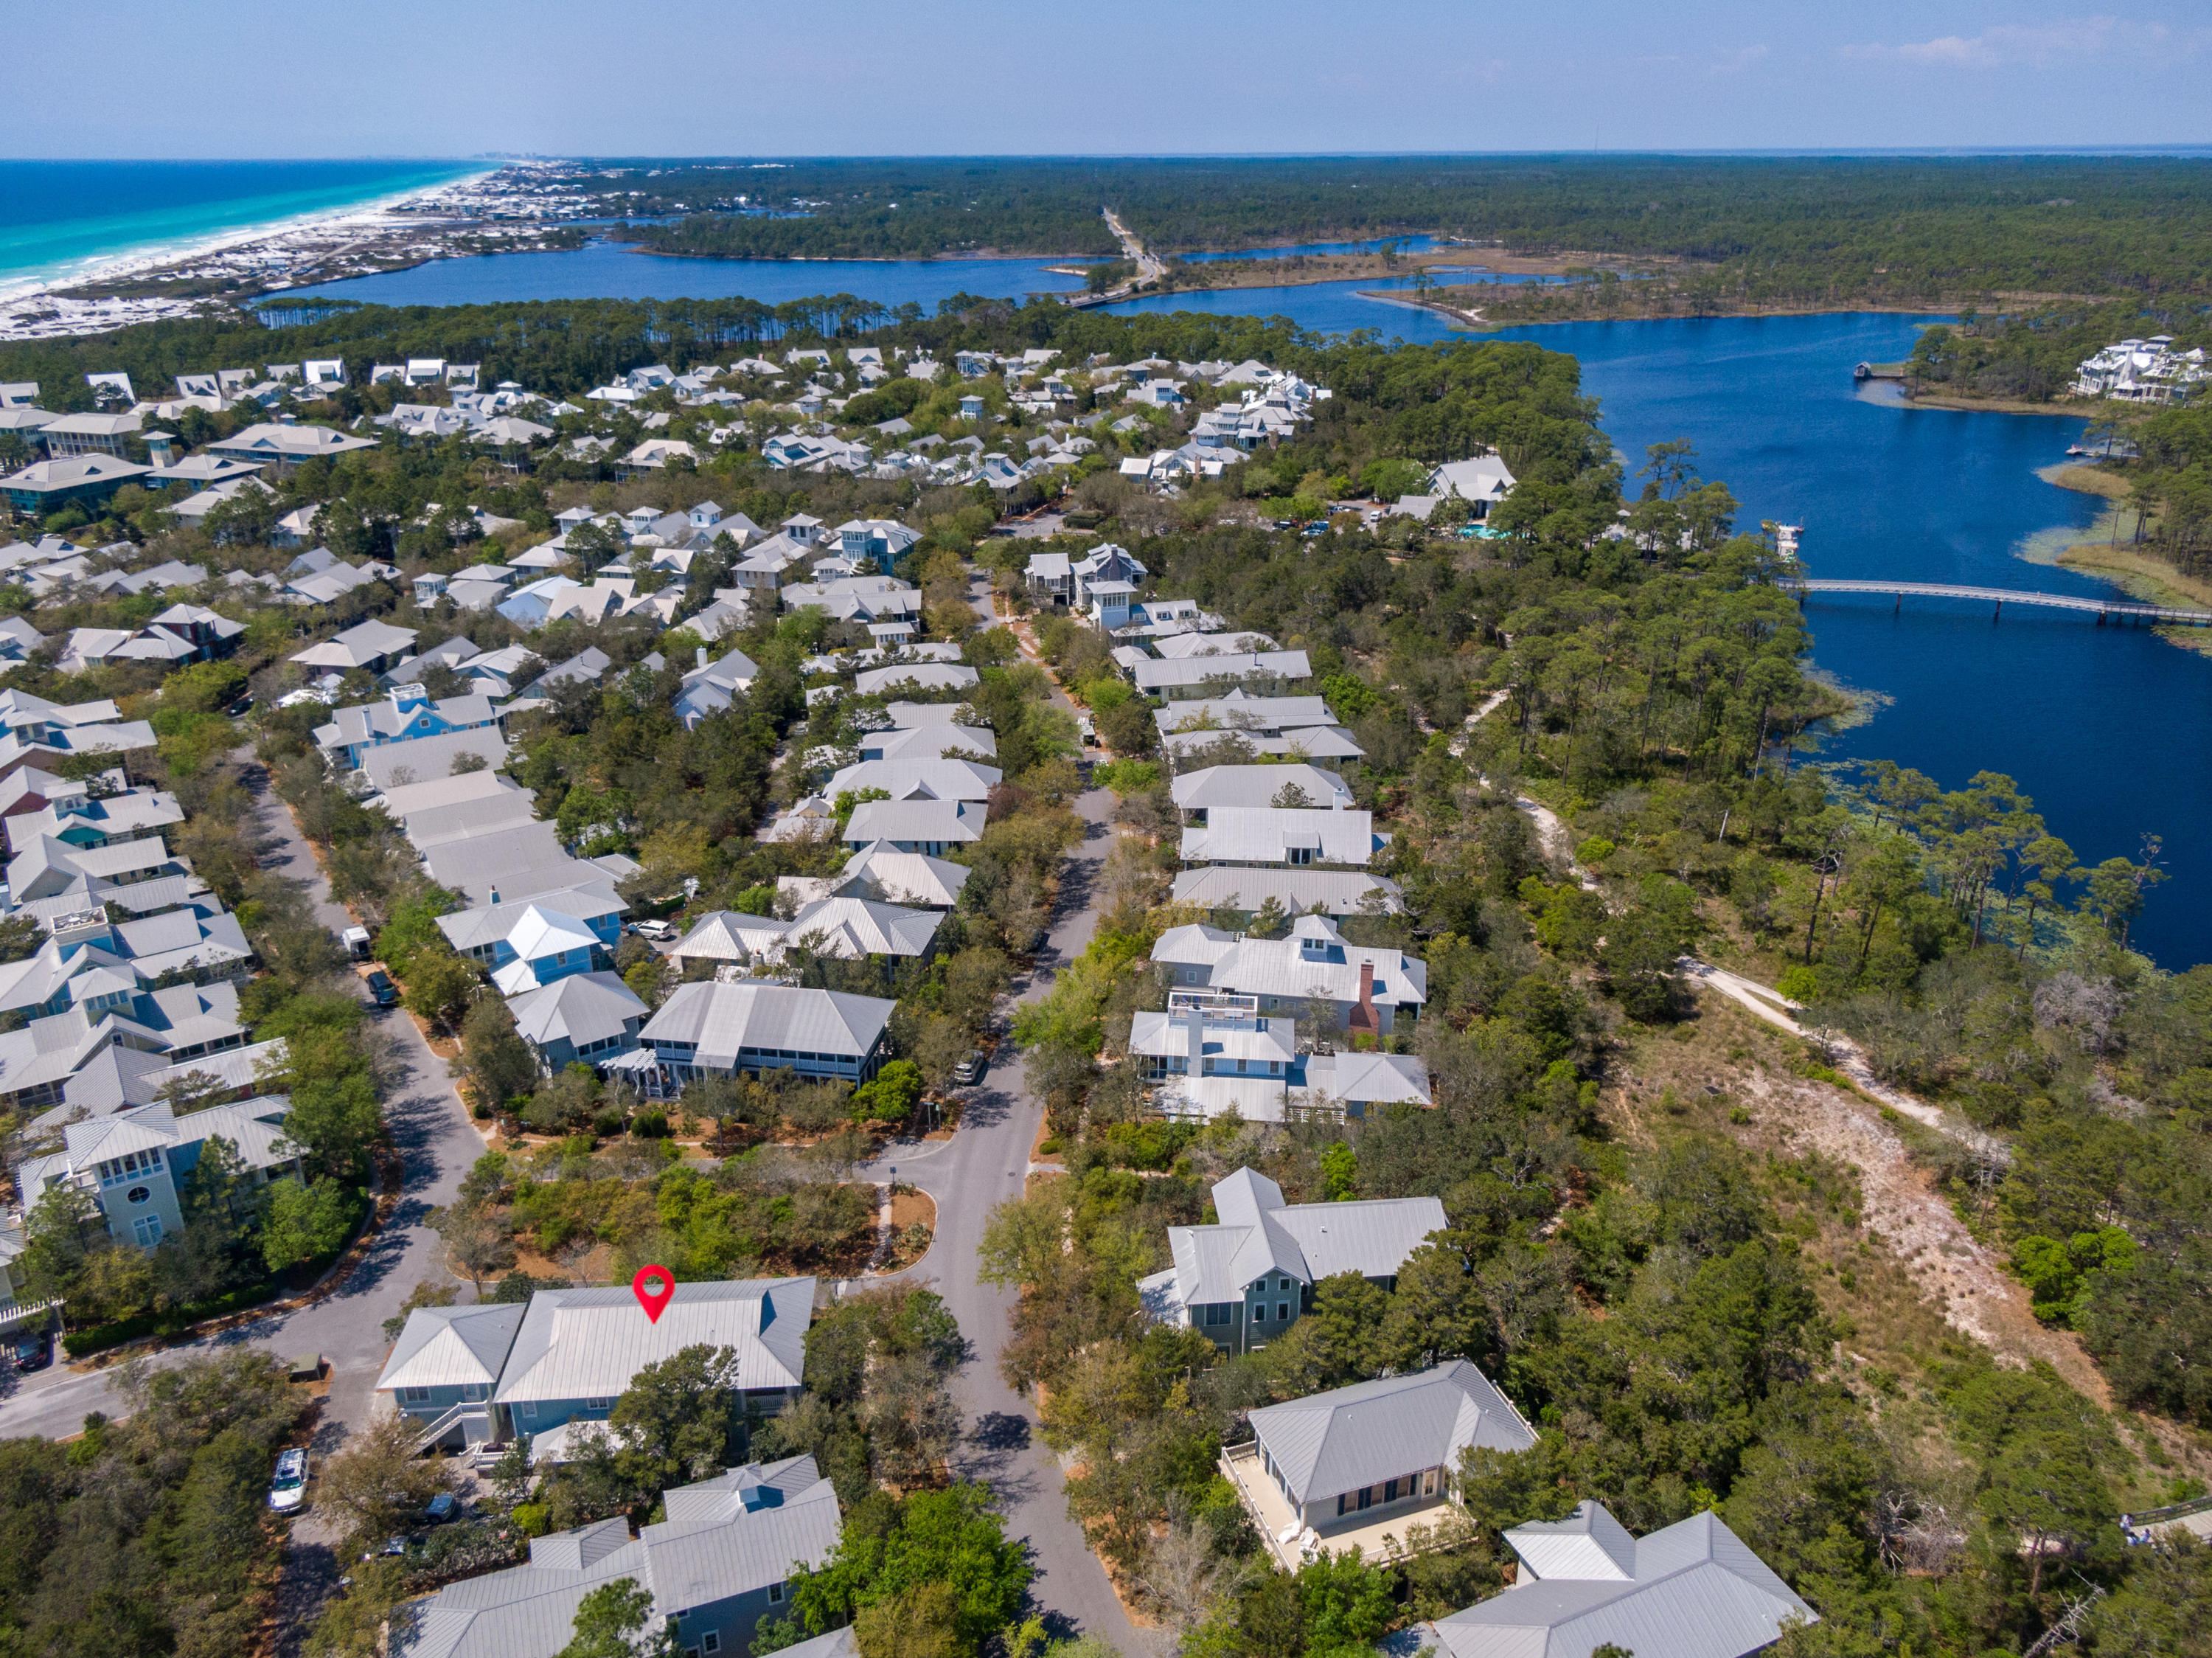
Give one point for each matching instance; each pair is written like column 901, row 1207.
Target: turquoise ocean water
column 59, row 219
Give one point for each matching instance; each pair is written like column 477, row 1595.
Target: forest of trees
column 1858, row 229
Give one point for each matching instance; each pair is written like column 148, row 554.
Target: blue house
column 486, row 933
column 409, row 712
column 466, row 1374
column 547, row 945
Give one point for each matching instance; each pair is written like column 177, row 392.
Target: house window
column 414, row 1395
column 599, row 1405
column 474, row 1392
column 1218, row 1312
column 710, row 1641
column 1389, row 1491
column 1260, row 1313
column 1367, row 1495
column 1429, row 1484
column 1282, row 1312
column 147, row 1229
column 1341, row 1498
column 529, row 1411
column 775, row 1594
column 138, row 1194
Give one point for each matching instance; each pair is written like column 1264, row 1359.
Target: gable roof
column 1259, row 1234
column 1693, row 1590
column 721, row 1020
column 1361, row 1436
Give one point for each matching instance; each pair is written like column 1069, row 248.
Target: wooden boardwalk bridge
column 2114, row 610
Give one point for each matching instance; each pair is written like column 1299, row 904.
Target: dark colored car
column 382, row 991
column 971, row 1068
column 443, row 1507
column 34, row 1351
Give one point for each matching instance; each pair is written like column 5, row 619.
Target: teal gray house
column 471, row 1374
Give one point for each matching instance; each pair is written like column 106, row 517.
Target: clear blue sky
column 690, row 77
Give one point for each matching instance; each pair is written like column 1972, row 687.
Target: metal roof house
column 131, row 1159
column 931, row 827
column 888, row 876
column 1330, row 1471
column 1368, row 988
column 1216, row 786
column 409, row 714
column 469, row 1375
column 1693, row 1589
column 1158, row 677
column 1243, row 1280
column 585, row 1018
column 917, row 778
column 712, row 1028
column 718, row 1564
column 850, row 928
column 922, row 676
column 1210, row 1053
column 373, row 647
column 1482, row 481
column 1296, row 891
column 1294, row 837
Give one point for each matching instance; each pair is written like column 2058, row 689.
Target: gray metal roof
column 744, row 1537
column 391, row 764
column 1158, row 675
column 584, row 1008
column 1257, row 785
column 722, row 1019
column 451, row 1346
column 587, row 1344
column 1238, row 886
column 1269, row 834
column 1362, row 1435
column 1260, row 1233
column 1698, row 1591
column 727, row 1536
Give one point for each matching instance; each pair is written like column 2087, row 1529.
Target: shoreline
column 1469, row 317
column 123, row 266
column 2139, row 574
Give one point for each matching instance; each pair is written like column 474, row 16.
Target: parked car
column 288, row 1490
column 659, row 931
column 356, row 940
column 381, row 990
column 31, row 1350
column 971, row 1068
column 443, row 1507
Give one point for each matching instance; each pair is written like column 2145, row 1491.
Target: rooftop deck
column 1379, row 1534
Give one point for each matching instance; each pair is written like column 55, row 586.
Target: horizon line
column 1835, row 152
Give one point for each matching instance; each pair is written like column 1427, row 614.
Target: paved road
column 982, row 1165
column 437, row 1143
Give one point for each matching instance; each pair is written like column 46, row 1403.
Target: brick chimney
column 1364, row 1019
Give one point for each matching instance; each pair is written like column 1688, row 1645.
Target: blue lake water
column 2100, row 725
column 56, row 218
column 614, row 270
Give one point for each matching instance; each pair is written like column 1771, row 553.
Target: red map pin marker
column 654, row 1288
